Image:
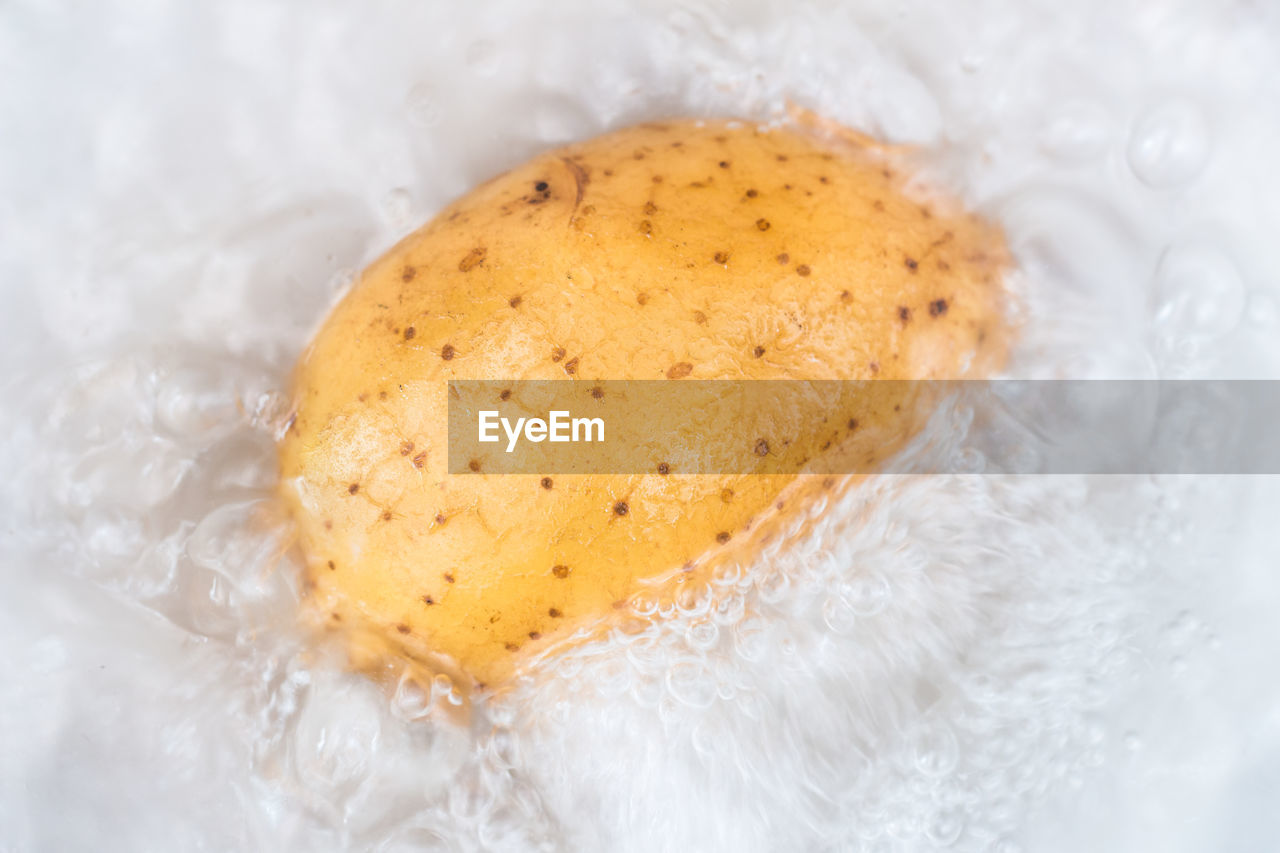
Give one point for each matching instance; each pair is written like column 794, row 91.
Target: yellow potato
column 681, row 249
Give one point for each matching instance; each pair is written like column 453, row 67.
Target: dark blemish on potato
column 448, row 577
column 386, row 515
column 597, row 392
column 362, row 397
column 762, row 224
column 779, row 505
column 407, row 274
column 911, row 264
column 904, row 314
column 650, row 208
column 332, row 567
column 406, row 447
column 724, row 164
column 420, row 459
column 786, row 186
column 828, row 482
column 504, row 394
column 447, row 352
column 561, row 572
column 608, row 173
column 782, row 158
column 621, row 508
column 752, row 193
column 679, row 370
column 428, row 600
column 409, row 333
column 515, row 301
column 638, row 154
column 721, row 257
column 546, row 483
column 353, row 488
column 874, row 367
column 474, row 465
column 533, row 635
column 699, row 318
column 664, row 469
column 558, row 354
column 328, row 524
column 441, row 518
column 382, row 395
column 472, row 259
column 403, row 628
column 645, row 227
column 335, row 617
column 494, row 618
column 937, row 307
column 540, row 186
column 571, row 366
column 657, row 179
column 726, row 495
column 512, row 647
column 762, row 447
column 758, row 351
column 802, row 269
column 677, row 144
column 642, row 298
column 823, row 179
column 853, row 424
column 878, row 205
column 784, row 258
column 845, row 296
column 554, row 613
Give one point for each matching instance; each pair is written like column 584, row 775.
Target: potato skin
column 701, row 249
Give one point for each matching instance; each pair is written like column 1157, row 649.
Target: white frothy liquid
column 966, row 663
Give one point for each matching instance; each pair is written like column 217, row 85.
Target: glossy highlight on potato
column 670, row 250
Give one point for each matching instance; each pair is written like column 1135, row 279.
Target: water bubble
column 483, row 56
column 868, row 594
column 935, row 750
column 1076, row 132
column 945, row 827
column 1198, row 292
column 421, row 104
column 1170, row 144
column 692, row 684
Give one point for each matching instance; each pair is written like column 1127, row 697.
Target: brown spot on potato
column 621, row 508
column 721, row 257
column 407, row 274
column 664, row 469
column 699, row 317
column 353, row 488
column 758, row 351
column 937, row 307
column 726, row 495
column 447, row 352
column 911, row 263
column 904, row 314
column 762, row 447
column 752, row 193
column 853, row 424
column 597, row 393
column 504, row 394
column 403, row 628
column 554, row 613
column 571, row 366
column 409, row 333
column 650, row 208
column 546, row 483
column 474, row 465
column 420, row 459
column 332, row 567
column 406, row 447
column 645, row 227
column 784, row 258
column 449, row 578
column 533, row 635
column 472, row 259
column 802, row 269
column 561, row 571
column 515, row 301
column 679, row 370
column 558, row 354
column 642, row 298
column 441, row 518
column 723, row 536
column 762, row 224
column 386, row 515
column 428, row 600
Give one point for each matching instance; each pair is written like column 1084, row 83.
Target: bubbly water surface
column 970, row 663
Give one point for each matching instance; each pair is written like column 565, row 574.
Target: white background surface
column 1040, row 664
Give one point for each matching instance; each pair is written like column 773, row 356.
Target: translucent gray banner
column 681, row 427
